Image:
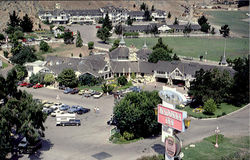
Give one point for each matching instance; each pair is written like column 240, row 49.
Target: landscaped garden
column 197, row 46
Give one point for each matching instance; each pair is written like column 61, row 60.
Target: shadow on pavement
column 158, row 148
column 46, row 145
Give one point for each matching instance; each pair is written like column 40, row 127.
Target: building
column 159, row 15
column 136, row 15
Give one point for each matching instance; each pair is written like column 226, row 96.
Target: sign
column 172, row 117
column 170, row 146
column 172, row 97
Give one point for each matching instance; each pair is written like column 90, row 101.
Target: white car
column 56, row 105
column 56, row 112
column 97, row 94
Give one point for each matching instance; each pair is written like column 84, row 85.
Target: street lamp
column 217, row 131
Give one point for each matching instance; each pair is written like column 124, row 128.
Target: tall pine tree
column 78, row 40
column 107, row 23
column 26, row 24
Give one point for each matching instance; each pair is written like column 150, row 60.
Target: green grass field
column 197, row 46
column 223, row 109
column 229, row 148
column 232, row 18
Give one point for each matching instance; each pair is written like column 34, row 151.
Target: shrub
column 122, row 80
column 91, row 45
column 154, row 157
column 210, row 106
column 128, row 136
column 212, row 138
column 44, row 46
column 6, row 54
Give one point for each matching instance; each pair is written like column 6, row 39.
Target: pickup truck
column 71, row 122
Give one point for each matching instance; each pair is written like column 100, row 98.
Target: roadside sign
column 170, row 146
column 172, row 117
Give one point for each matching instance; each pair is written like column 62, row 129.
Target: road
column 90, row 141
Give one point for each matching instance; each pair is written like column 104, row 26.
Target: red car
column 23, row 84
column 98, row 27
column 37, row 86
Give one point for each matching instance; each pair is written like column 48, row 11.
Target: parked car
column 97, row 27
column 23, row 84
column 67, row 90
column 58, row 111
column 74, row 91
column 97, row 94
column 37, row 86
column 112, row 121
column 180, row 85
column 29, row 85
column 73, row 109
column 82, row 91
column 56, row 105
column 64, row 107
column 87, row 95
column 71, row 122
column 82, row 110
column 62, row 87
column 47, row 110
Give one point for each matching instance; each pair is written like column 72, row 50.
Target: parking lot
column 88, row 141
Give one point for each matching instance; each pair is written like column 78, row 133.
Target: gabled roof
column 119, row 53
column 136, row 13
column 187, row 67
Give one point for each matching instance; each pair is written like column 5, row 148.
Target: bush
column 122, row 80
column 6, row 54
column 128, row 136
column 210, row 106
column 212, row 139
column 91, row 45
column 154, row 157
column 44, row 46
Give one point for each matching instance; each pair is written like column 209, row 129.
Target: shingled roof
column 119, row 53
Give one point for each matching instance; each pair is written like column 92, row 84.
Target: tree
column 129, row 21
column 49, row 79
column 67, row 78
column 26, row 24
column 89, row 79
column 91, row 45
column 210, row 106
column 135, row 114
column 14, row 20
column 154, row 30
column 2, row 37
column 160, row 44
column 17, row 35
column 44, row 46
column 103, row 34
column 176, row 22
column 80, row 55
column 143, row 6
column 115, row 45
column 169, row 15
column 107, row 88
column 107, row 23
column 202, row 20
column 19, row 115
column 153, row 8
column 68, row 37
column 23, row 54
column 147, row 15
column 159, row 54
column 240, row 87
column 214, row 84
column 118, row 29
column 37, row 78
column 242, row 3
column 78, row 40
column 187, row 29
column 205, row 27
column 21, row 71
column 225, row 30
column 122, row 80
column 213, row 30
column 134, row 5
column 6, row 54
column 175, row 57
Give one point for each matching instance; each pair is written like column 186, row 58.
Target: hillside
column 32, row 7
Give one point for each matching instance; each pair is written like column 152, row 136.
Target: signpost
column 171, row 119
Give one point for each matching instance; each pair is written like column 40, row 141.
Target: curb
column 224, row 115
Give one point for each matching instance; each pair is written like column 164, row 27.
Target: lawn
column 223, row 109
column 229, row 148
column 96, row 88
column 197, row 46
column 233, row 18
column 5, row 65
